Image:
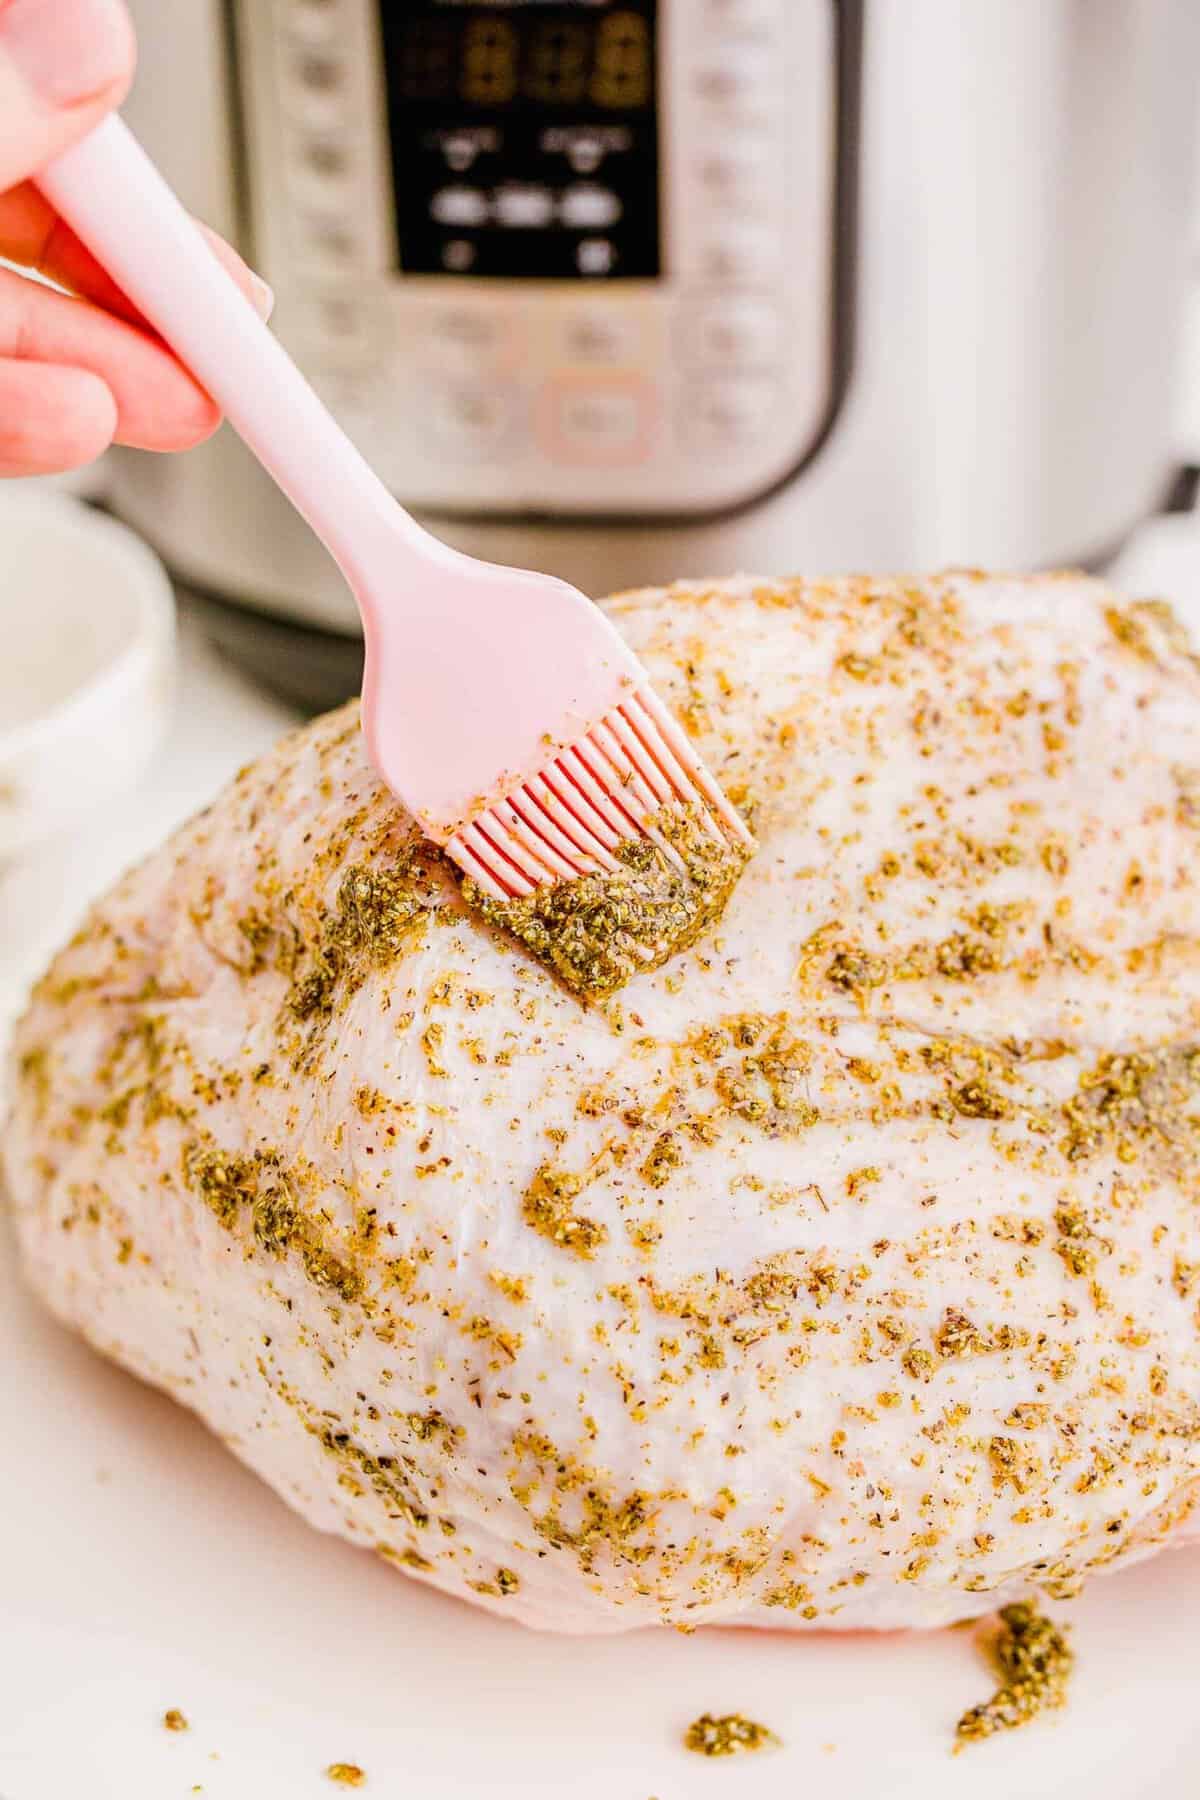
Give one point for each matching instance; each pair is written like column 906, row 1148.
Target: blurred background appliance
column 635, row 289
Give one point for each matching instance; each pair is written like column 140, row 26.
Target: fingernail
column 66, row 50
column 263, row 296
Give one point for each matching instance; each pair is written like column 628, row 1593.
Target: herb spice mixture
column 1034, row 1661
column 729, row 1735
column 839, row 1272
column 599, row 931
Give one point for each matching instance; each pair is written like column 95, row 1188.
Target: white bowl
column 87, row 648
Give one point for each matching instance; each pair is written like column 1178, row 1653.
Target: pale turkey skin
column 834, row 1276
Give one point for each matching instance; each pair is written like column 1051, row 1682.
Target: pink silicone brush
column 500, row 705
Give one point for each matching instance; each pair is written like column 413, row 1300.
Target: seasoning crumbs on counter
column 729, row 1735
column 347, row 1774
column 1034, row 1660
column 174, row 1720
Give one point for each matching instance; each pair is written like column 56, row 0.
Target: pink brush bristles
column 568, row 819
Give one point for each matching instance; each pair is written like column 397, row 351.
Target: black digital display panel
column 524, row 137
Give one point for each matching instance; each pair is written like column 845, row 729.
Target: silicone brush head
column 525, row 735
column 572, row 817
column 614, row 857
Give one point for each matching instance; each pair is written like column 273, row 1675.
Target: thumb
column 64, row 64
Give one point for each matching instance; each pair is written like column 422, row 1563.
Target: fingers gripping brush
column 499, row 705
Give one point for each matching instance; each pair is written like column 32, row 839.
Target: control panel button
column 729, row 411
column 325, row 157
column 461, row 149
column 589, row 208
column 601, row 336
column 314, row 89
column 460, row 206
column 600, row 421
column 737, row 173
column 586, row 147
column 524, row 206
column 468, row 342
column 459, row 256
column 467, row 330
column 469, row 418
column 740, row 332
column 317, row 71
column 595, row 256
column 746, row 253
column 739, row 82
column 585, row 152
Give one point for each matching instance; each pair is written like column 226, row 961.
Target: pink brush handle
column 116, row 201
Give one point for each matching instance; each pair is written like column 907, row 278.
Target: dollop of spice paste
column 1034, row 1660
column 596, row 933
column 730, row 1735
column 346, row 1774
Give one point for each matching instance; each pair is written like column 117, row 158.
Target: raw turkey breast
column 841, row 1273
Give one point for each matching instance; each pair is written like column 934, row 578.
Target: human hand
column 78, row 370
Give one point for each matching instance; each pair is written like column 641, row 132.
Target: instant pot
column 637, row 289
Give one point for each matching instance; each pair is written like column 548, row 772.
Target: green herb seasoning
column 728, row 1735
column 1151, row 630
column 548, row 1206
column 1034, row 1660
column 232, row 1185
column 599, row 931
column 378, row 912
